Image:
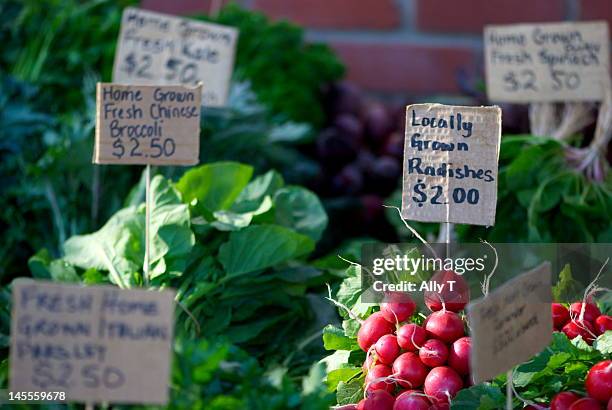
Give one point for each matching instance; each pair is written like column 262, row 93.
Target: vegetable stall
column 245, row 235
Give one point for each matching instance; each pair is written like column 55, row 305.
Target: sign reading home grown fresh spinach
column 547, row 62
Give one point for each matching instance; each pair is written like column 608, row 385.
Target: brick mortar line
column 572, row 10
column 408, row 14
column 394, row 38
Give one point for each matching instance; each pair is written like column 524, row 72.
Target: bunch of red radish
column 586, row 320
column 412, row 367
column 581, row 319
column 598, row 385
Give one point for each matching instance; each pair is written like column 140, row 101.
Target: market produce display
column 234, row 247
column 48, row 115
column 393, row 355
column 259, row 239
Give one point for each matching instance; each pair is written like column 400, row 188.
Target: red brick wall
column 415, row 47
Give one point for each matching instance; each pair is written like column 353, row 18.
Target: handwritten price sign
column 147, row 125
column 158, row 49
column 511, row 324
column 94, row 344
column 547, row 62
column 450, row 163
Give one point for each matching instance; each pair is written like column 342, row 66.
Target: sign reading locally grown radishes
column 547, row 62
column 95, row 343
column 158, row 125
column 158, row 49
column 510, row 324
column 450, row 163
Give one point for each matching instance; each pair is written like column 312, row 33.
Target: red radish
column 373, row 329
column 609, row 406
column 380, row 371
column 591, row 312
column 602, row 324
column 445, row 325
column 455, row 299
column 409, row 370
column 443, row 383
column 411, row 337
column 387, row 349
column 433, row 353
column 586, row 403
column 377, row 400
column 398, row 309
column 584, row 329
column 459, row 355
column 599, row 381
column 440, row 406
column 563, row 400
column 560, row 315
column 408, row 400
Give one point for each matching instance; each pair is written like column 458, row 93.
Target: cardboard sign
column 158, row 49
column 547, row 62
column 158, row 125
column 511, row 324
column 450, row 163
column 96, row 343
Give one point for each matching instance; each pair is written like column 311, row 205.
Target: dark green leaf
column 299, row 209
column 349, row 393
column 334, row 339
column 261, row 246
column 215, row 186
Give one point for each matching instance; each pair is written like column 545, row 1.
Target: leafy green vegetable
column 480, row 397
column 260, row 247
column 536, row 185
column 287, row 73
column 349, row 393
column 218, row 375
column 250, row 284
column 334, row 339
column 560, row 367
column 215, row 187
column 48, row 71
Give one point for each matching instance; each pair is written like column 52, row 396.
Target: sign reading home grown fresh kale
column 158, row 49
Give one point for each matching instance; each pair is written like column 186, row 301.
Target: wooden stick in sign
column 148, row 203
